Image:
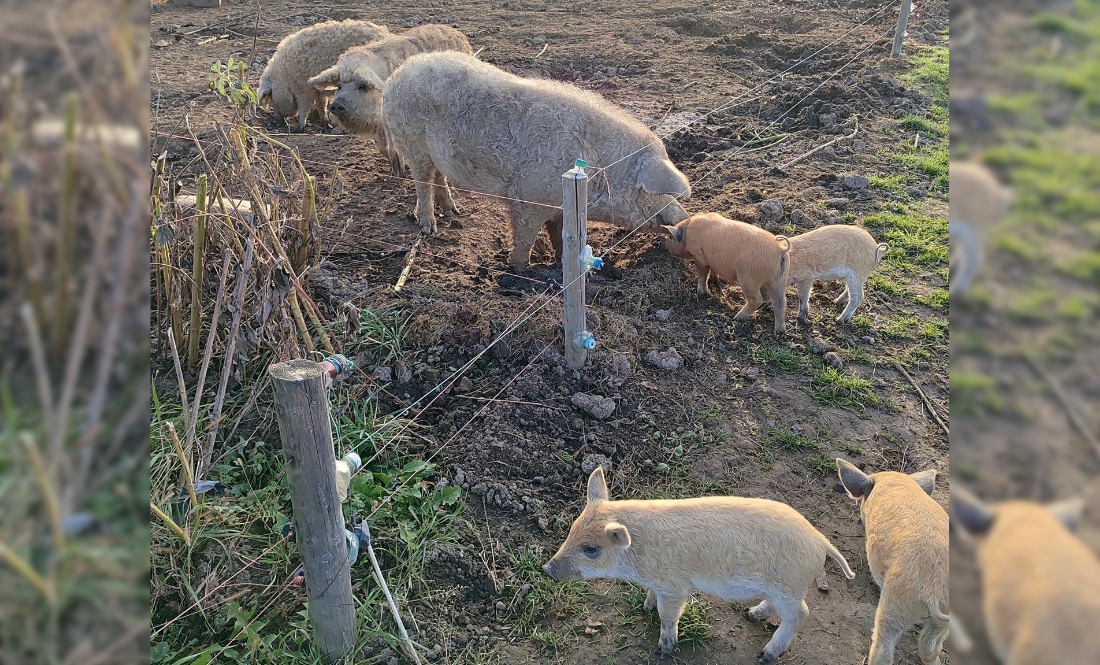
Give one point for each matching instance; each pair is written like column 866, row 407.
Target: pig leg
column 931, row 641
column 888, row 630
column 424, row 211
column 855, row 297
column 526, row 225
column 704, row 275
column 553, row 228
column 669, row 608
column 843, row 297
column 791, row 612
column 650, row 601
column 762, row 611
column 443, row 195
column 305, row 104
column 971, row 255
column 752, row 300
column 778, row 293
column 804, row 289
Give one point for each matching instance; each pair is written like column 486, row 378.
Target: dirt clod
column 596, row 406
column 771, row 210
column 669, row 360
column 832, row 359
column 854, row 181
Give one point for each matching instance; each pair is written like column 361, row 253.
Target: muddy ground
column 740, row 416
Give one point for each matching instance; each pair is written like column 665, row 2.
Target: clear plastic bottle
column 345, row 469
column 353, row 546
column 588, row 261
column 584, row 341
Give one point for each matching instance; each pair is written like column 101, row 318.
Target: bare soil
column 714, row 422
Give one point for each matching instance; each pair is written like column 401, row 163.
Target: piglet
column 739, row 253
column 837, row 252
column 907, row 550
column 1040, row 583
column 734, row 548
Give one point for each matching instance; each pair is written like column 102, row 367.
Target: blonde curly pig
column 283, row 84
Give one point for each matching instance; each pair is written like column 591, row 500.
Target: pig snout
column 550, row 571
column 337, row 107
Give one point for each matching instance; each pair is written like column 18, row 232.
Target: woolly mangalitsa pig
column 1040, row 583
column 734, row 548
column 836, row 252
column 449, row 115
column 360, row 74
column 739, row 253
column 908, row 546
column 978, row 202
column 284, row 83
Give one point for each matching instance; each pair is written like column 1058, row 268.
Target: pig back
column 490, row 130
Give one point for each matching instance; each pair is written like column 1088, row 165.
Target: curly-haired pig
column 907, row 550
column 739, row 253
column 1040, row 583
column 360, row 75
column 734, row 548
column 449, row 115
column 284, row 82
column 978, row 202
column 836, row 252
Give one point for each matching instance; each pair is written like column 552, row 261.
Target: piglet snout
column 549, row 570
column 337, row 108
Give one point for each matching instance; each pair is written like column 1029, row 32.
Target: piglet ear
column 975, row 517
column 674, row 232
column 1069, row 512
column 855, row 482
column 327, row 79
column 926, row 479
column 597, row 486
column 617, row 534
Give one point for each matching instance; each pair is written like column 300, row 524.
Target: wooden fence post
column 301, row 407
column 574, row 236
column 903, row 19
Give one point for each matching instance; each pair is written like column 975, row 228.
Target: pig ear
column 674, row 232
column 373, row 80
column 326, row 79
column 617, row 534
column 1069, row 512
column 855, row 482
column 926, row 480
column 660, row 176
column 975, row 517
column 597, row 486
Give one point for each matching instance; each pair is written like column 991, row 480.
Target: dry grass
column 73, row 392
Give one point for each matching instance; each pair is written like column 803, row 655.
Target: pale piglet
column 1040, row 583
column 907, row 550
column 978, row 202
column 838, row 252
column 360, row 75
column 734, row 548
column 739, row 253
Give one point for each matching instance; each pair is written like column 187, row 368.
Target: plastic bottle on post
column 589, row 261
column 584, row 341
column 345, row 469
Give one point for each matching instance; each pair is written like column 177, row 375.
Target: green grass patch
column 883, row 284
column 916, row 241
column 832, row 388
column 779, row 357
column 822, row 464
column 974, row 393
column 937, row 299
column 904, row 326
column 792, row 441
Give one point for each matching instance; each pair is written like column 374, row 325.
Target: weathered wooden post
column 903, row 19
column 574, row 237
column 301, row 407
